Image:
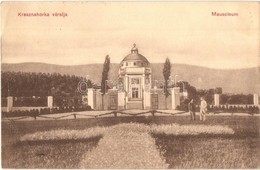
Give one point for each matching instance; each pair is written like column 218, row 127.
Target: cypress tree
column 106, row 67
column 166, row 75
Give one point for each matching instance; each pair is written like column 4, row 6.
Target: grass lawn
column 213, row 152
column 59, row 154
column 241, row 150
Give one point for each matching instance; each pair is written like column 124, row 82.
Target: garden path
column 125, row 146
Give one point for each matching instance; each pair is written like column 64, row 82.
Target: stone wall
column 163, row 103
column 98, row 104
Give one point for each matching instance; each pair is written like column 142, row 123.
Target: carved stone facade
column 135, row 75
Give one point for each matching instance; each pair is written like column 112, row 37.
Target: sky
column 186, row 33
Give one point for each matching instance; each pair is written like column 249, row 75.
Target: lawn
column 240, row 150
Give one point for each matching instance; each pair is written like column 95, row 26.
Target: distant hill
column 232, row 81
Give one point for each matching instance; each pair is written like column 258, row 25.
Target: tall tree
column 187, row 87
column 106, row 67
column 166, row 75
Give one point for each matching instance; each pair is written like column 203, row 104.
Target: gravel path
column 125, row 146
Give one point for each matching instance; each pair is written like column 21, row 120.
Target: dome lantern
column 134, row 49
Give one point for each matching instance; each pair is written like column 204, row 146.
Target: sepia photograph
column 130, row 85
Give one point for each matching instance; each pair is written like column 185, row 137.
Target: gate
column 113, row 102
column 154, row 101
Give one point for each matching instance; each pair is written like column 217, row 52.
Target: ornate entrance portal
column 135, row 89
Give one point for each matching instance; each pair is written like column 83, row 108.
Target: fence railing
column 114, row 113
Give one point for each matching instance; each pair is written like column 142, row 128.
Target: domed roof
column 135, row 56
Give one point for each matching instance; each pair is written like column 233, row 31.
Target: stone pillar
column 175, row 94
column 9, row 104
column 126, row 90
column 121, row 100
column 50, row 101
column 256, row 99
column 216, row 99
column 147, row 100
column 143, row 88
column 126, row 82
column 91, row 98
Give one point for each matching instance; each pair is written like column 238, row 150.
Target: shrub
column 231, row 109
column 255, row 109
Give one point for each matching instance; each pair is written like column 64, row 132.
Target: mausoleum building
column 133, row 89
column 135, row 75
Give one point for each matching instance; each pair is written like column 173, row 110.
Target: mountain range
column 246, row 80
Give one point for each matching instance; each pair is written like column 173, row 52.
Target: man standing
column 191, row 107
column 203, row 109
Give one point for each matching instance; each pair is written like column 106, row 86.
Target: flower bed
column 127, row 128
column 177, row 130
column 61, row 134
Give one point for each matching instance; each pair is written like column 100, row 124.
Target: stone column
column 126, row 89
column 175, row 94
column 126, row 82
column 216, row 99
column 91, row 98
column 9, row 104
column 256, row 99
column 143, row 86
column 121, row 100
column 50, row 101
column 142, row 89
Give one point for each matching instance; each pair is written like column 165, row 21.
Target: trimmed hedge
column 44, row 111
column 225, row 109
column 234, row 109
column 29, row 101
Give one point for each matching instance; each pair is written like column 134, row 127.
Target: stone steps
column 135, row 105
